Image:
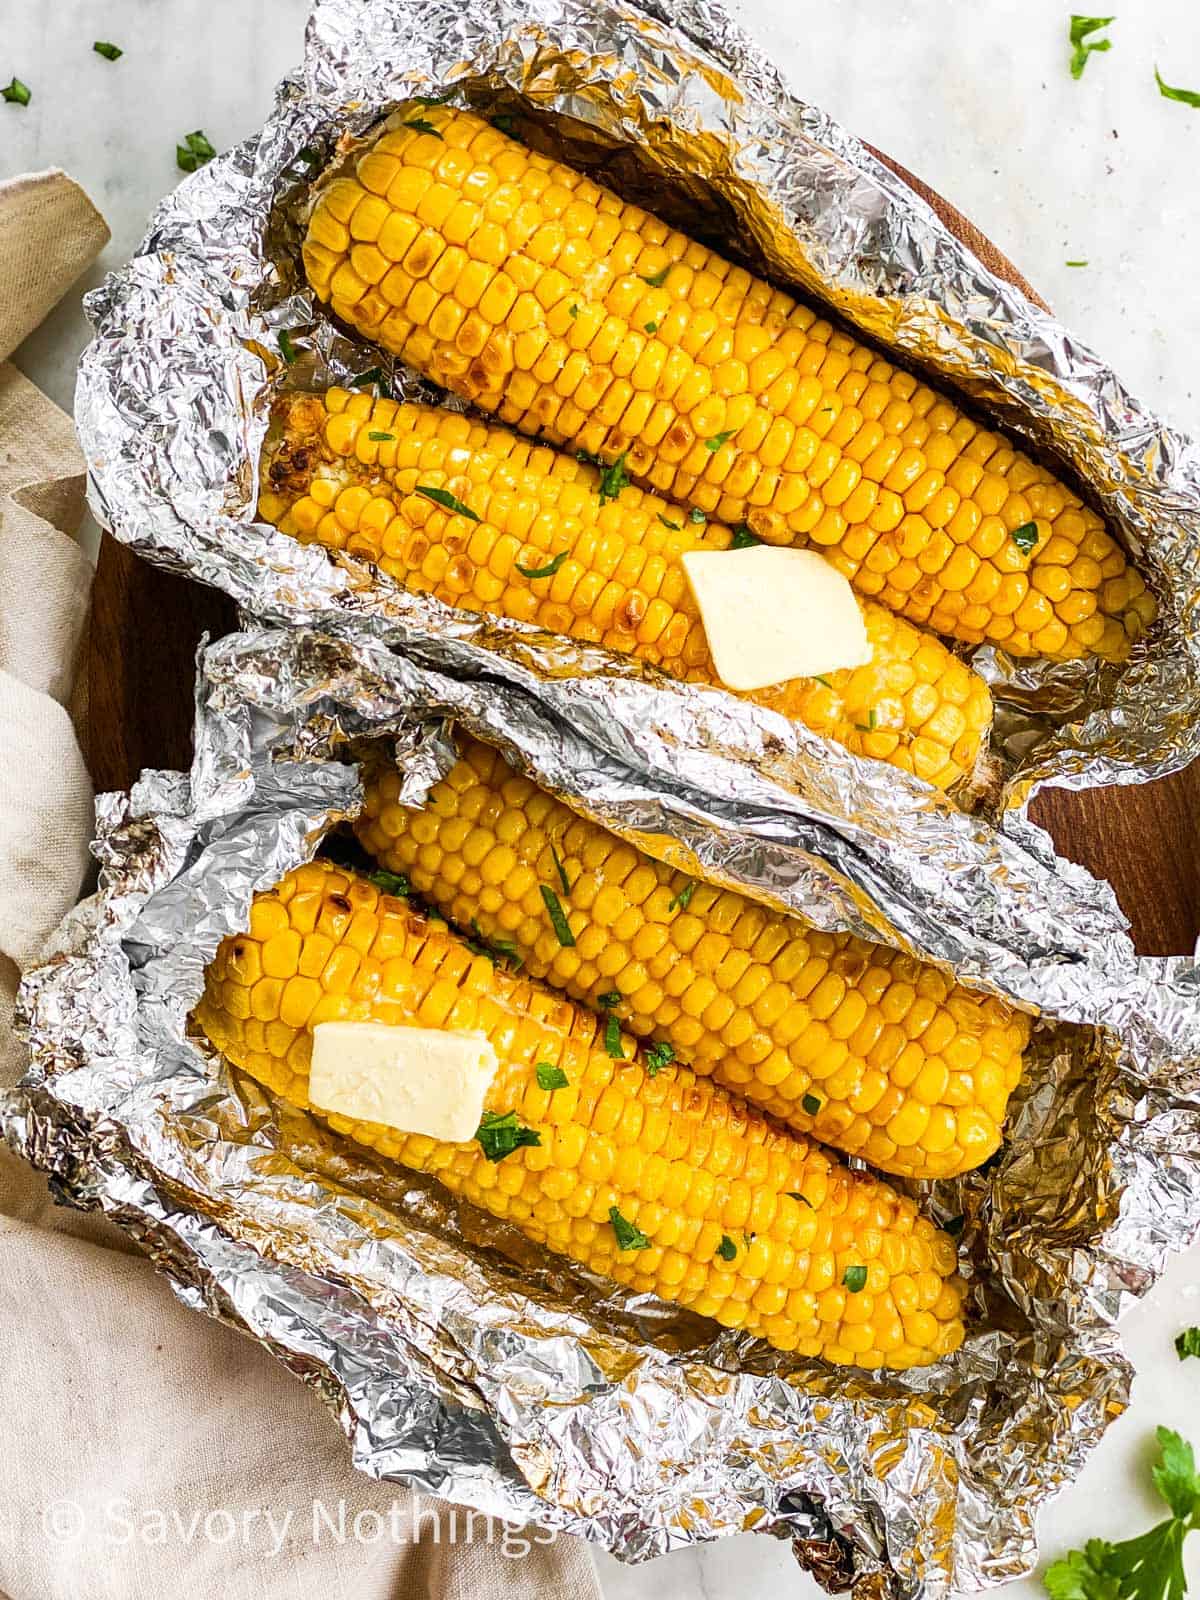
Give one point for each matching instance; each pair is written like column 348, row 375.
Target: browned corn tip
column 745, row 1222
column 550, row 548
column 519, row 283
column 872, row 1052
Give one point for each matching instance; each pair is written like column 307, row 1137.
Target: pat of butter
column 771, row 613
column 419, row 1080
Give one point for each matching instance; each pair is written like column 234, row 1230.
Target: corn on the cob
column 356, row 474
column 731, row 1216
column 869, row 1050
column 519, row 283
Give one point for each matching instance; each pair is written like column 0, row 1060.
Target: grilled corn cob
column 728, row 1214
column 869, row 1050
column 514, row 281
column 357, row 474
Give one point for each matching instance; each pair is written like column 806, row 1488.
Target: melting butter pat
column 771, row 613
column 419, row 1080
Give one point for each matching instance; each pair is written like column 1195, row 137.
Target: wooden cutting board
column 146, row 625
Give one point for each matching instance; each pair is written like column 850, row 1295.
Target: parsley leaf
column 718, row 439
column 561, row 870
column 550, row 1077
column 855, row 1279
column 374, row 375
column 286, row 348
column 613, row 478
column 811, row 1104
column 727, row 1250
column 504, row 122
column 195, row 152
column 558, row 917
column 610, row 999
column 16, row 93
column 443, row 497
column 696, row 515
column 1187, row 1343
column 657, row 279
column 422, row 125
column 821, row 678
column 380, row 437
column 869, row 725
column 743, row 538
column 684, row 898
column 547, row 571
column 1187, row 97
column 628, row 1237
column 1025, row 537
column 1077, row 263
column 494, row 949
column 803, row 1198
column 612, row 1038
column 658, row 1056
column 394, row 883
column 1081, row 27
column 572, row 312
column 110, row 52
column 675, row 527
column 1150, row 1566
column 651, row 327
column 500, row 1134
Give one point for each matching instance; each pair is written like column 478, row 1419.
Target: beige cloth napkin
column 147, row 1453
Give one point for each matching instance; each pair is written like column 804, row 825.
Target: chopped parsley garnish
column 494, row 949
column 1150, row 1566
column 504, row 122
column 811, row 1104
column 675, row 527
column 390, row 883
column 1187, row 1343
column 16, row 93
column 572, row 311
column 443, row 497
column 286, row 348
column 628, row 1237
column 379, row 437
column 855, row 1279
column 561, row 870
column 683, row 899
column 1025, row 537
column 610, row 999
column 1187, row 97
column 558, row 917
column 373, row 375
column 657, row 279
column 651, row 327
column 803, row 1198
column 612, row 1037
column 869, row 725
column 547, row 571
column 696, row 515
column 550, row 1077
column 194, row 153
column 311, row 157
column 718, row 439
column 1077, row 263
column 613, row 478
column 422, row 125
column 821, row 678
column 658, row 1056
column 727, row 1250
column 500, row 1134
column 743, row 538
column 1081, row 27
column 110, row 52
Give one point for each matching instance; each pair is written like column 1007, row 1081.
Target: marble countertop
column 978, row 100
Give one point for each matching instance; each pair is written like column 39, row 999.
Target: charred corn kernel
column 855, row 1043
column 609, row 571
column 815, row 417
column 614, row 1133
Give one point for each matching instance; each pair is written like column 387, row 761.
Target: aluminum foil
column 463, row 1361
column 679, row 110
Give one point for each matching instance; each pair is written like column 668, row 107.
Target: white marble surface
column 978, row 100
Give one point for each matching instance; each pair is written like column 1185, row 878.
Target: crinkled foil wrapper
column 682, row 113
column 464, row 1362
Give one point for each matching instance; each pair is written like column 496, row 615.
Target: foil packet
column 465, row 1362
column 677, row 109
